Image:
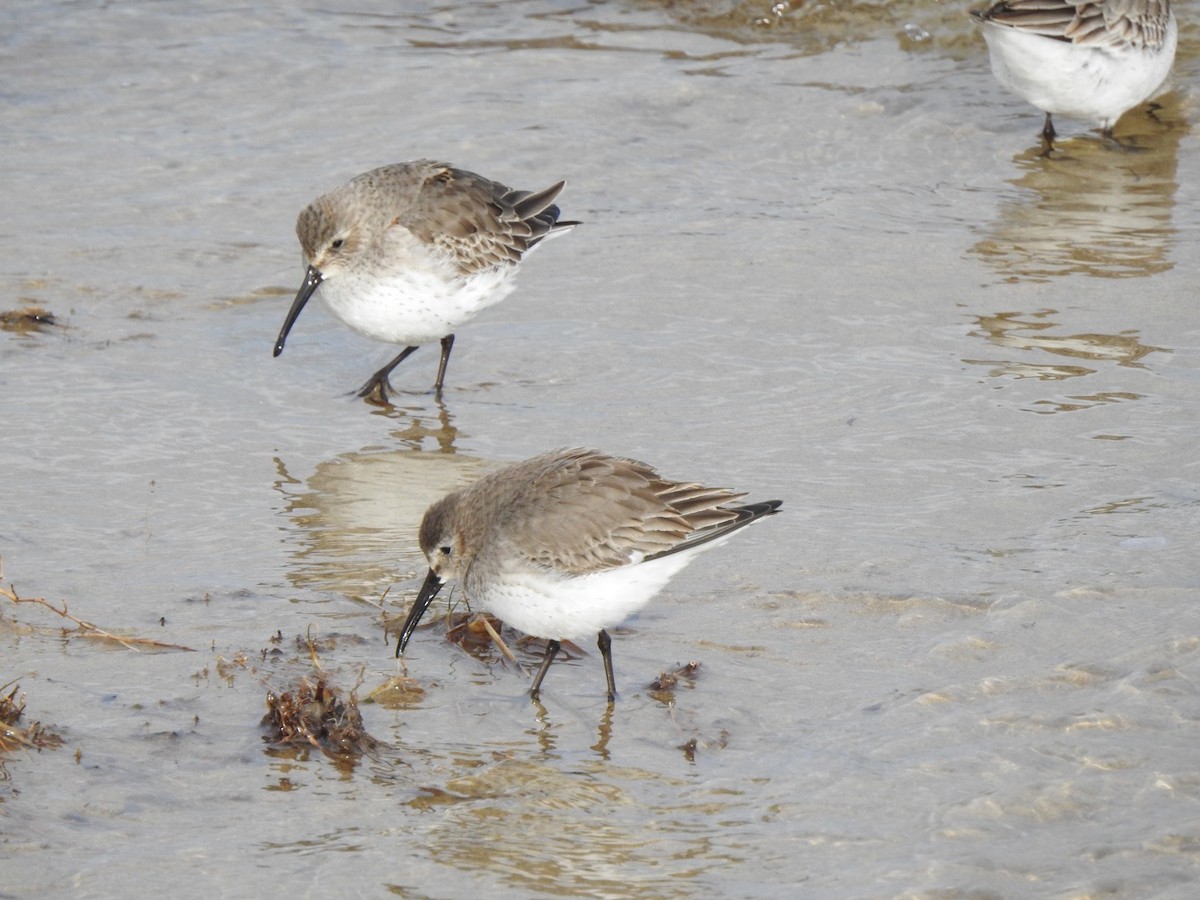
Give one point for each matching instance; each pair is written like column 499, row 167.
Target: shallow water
column 821, row 261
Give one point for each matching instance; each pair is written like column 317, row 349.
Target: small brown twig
column 311, row 643
column 499, row 642
column 87, row 629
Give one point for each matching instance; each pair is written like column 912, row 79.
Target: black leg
column 447, row 346
column 1048, row 134
column 551, row 652
column 604, row 642
column 378, row 381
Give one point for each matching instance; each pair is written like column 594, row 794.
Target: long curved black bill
column 312, row 280
column 429, row 590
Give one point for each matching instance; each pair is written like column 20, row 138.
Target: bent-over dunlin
column 407, row 253
column 570, row 543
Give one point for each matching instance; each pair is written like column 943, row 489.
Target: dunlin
column 1086, row 59
column 570, row 543
column 409, row 252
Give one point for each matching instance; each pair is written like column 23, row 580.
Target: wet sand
column 821, row 260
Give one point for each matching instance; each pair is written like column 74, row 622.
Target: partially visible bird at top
column 1085, row 59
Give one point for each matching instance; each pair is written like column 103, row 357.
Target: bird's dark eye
column 337, row 244
column 445, row 551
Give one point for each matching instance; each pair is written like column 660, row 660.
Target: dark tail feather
column 744, row 515
column 530, row 205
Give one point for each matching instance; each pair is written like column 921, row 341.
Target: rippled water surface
column 821, row 260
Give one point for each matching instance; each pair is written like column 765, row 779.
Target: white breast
column 1094, row 83
column 413, row 306
column 551, row 605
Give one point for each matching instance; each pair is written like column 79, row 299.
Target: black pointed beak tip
column 402, row 643
column 429, row 590
column 312, row 280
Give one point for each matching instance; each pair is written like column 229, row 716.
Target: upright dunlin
column 407, row 253
column 570, row 543
column 1087, row 59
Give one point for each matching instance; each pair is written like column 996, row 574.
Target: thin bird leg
column 552, row 648
column 447, row 346
column 604, row 642
column 379, row 381
column 1048, row 133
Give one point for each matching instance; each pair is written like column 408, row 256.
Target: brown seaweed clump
column 314, row 714
column 14, row 736
column 477, row 634
column 663, row 687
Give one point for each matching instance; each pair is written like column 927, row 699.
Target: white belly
column 1094, row 84
column 574, row 607
column 412, row 307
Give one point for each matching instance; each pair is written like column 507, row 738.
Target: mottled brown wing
column 607, row 510
column 1098, row 24
column 1120, row 23
column 1137, row 24
column 1050, row 18
column 482, row 223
